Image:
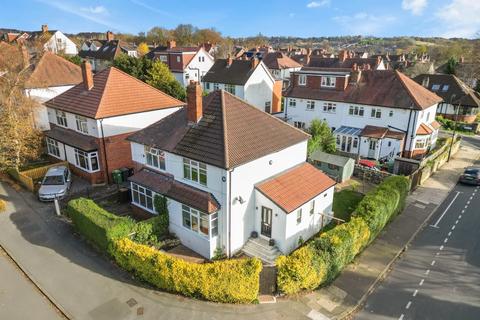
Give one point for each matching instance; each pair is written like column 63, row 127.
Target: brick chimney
column 171, row 44
column 342, row 55
column 87, row 75
column 110, row 36
column 356, row 74
column 254, row 62
column 194, row 102
column 44, row 28
column 229, row 60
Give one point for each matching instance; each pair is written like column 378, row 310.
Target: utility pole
column 454, row 128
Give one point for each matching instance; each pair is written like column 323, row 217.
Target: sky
column 384, row 18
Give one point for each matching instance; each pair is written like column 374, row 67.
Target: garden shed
column 337, row 167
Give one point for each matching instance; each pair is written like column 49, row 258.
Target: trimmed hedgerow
column 232, row 281
column 97, row 225
column 325, row 256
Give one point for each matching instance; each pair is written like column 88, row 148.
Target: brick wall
column 277, row 96
column 118, row 153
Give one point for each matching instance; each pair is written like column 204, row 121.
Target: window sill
column 144, row 208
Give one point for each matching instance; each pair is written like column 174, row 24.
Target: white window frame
column 82, row 124
column 216, row 86
column 312, row 207
column 178, row 59
column 310, row 105
column 358, row 111
column 292, row 103
column 61, row 118
column 207, row 85
column 299, row 124
column 52, row 147
column 328, row 82
column 299, row 216
column 390, row 113
column 154, row 158
column 139, row 192
column 163, row 58
column 230, row 88
column 88, row 156
column 329, row 107
column 193, row 167
column 302, row 79
column 193, row 220
column 421, row 143
column 376, row 113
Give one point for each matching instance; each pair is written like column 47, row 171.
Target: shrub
column 152, row 230
column 97, row 225
column 232, row 281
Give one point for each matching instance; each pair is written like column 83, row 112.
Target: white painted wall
column 259, row 87
column 60, row 43
column 198, row 66
column 93, row 130
column 210, row 86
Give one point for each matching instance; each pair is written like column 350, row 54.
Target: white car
column 55, row 184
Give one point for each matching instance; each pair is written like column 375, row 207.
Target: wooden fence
column 27, row 178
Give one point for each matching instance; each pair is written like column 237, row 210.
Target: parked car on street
column 471, row 175
column 55, row 184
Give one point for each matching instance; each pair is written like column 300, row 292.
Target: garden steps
column 258, row 247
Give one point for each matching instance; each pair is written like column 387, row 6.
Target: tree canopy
column 160, row 77
column 322, row 137
column 137, row 67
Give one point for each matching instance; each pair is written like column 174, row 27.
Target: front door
column 372, row 148
column 266, row 228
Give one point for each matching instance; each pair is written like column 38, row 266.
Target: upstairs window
column 390, row 114
column 163, row 58
column 356, row 111
column 178, row 58
column 312, row 207
column 310, row 105
column 435, row 87
column 207, row 85
column 299, row 124
column 299, row 216
column 376, row 113
column 329, row 107
column 61, row 118
column 230, row 88
column 195, row 171
column 445, row 87
column 201, row 59
column 302, row 79
column 292, row 102
column 328, row 82
column 155, row 158
column 82, row 124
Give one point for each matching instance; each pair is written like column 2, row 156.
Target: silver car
column 55, row 184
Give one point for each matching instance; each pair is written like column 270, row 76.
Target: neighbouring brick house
column 280, row 66
column 459, row 100
column 377, row 114
column 248, row 79
column 186, row 63
column 229, row 170
column 89, row 122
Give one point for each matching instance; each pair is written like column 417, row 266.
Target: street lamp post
column 454, row 127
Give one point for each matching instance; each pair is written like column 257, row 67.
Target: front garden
column 345, row 202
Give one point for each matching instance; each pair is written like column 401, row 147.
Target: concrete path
column 19, row 298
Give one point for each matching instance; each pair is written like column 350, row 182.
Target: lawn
column 345, row 202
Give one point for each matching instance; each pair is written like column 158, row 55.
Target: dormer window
column 435, row 87
column 328, row 82
column 302, row 79
column 155, row 158
column 445, row 87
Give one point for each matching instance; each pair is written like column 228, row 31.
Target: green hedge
column 150, row 230
column 325, row 256
column 97, row 225
column 232, row 281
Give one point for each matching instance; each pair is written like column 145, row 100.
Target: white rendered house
column 230, row 171
column 373, row 114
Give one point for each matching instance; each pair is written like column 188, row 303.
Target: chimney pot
column 171, row 44
column 110, row 36
column 87, row 75
column 194, row 102
column 229, row 60
column 254, row 62
column 44, row 28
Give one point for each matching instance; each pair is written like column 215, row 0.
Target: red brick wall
column 118, row 153
column 416, row 153
column 461, row 118
column 139, row 213
column 277, row 96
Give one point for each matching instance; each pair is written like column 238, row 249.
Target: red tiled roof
column 166, row 185
column 279, row 60
column 295, row 187
column 53, row 71
column 423, row 129
column 435, row 125
column 381, row 132
column 114, row 93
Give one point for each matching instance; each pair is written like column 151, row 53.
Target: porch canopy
column 72, row 138
column 352, row 131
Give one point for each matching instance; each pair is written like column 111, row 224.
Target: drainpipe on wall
column 229, row 247
column 406, row 136
column 104, row 152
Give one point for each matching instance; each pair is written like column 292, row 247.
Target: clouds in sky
column 415, row 6
column 317, row 4
column 96, row 10
column 459, row 18
column 364, row 23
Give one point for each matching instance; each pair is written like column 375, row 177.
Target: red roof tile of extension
column 279, row 60
column 423, row 129
column 435, row 125
column 114, row 93
column 295, row 187
column 166, row 185
column 384, row 88
column 381, row 132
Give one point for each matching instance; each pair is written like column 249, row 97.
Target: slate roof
column 381, row 132
column 230, row 133
column 114, row 93
column 386, row 88
column 237, row 73
column 450, row 85
column 279, row 60
column 295, row 187
column 166, row 185
column 72, row 138
column 108, row 51
column 54, row 71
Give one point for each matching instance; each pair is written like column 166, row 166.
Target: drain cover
column 131, row 302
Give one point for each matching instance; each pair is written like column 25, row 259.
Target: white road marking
column 459, row 216
column 421, row 282
column 463, row 211
column 437, row 253
column 450, row 233
column 441, row 247
column 466, row 206
column 444, row 212
column 427, row 272
column 471, row 197
column 415, row 292
column 445, row 241
column 408, row 304
column 453, row 227
column 433, row 262
column 468, row 202
column 456, row 222
column 401, row 317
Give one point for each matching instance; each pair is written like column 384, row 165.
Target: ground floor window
column 199, row 222
column 87, row 161
column 142, row 197
column 299, row 124
column 420, row 143
column 52, row 148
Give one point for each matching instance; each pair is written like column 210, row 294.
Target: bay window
column 142, row 197
column 195, row 171
column 199, row 222
column 87, row 161
column 155, row 158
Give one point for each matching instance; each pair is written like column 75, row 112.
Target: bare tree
column 20, row 141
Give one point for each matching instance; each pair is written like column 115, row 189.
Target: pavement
column 84, row 284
